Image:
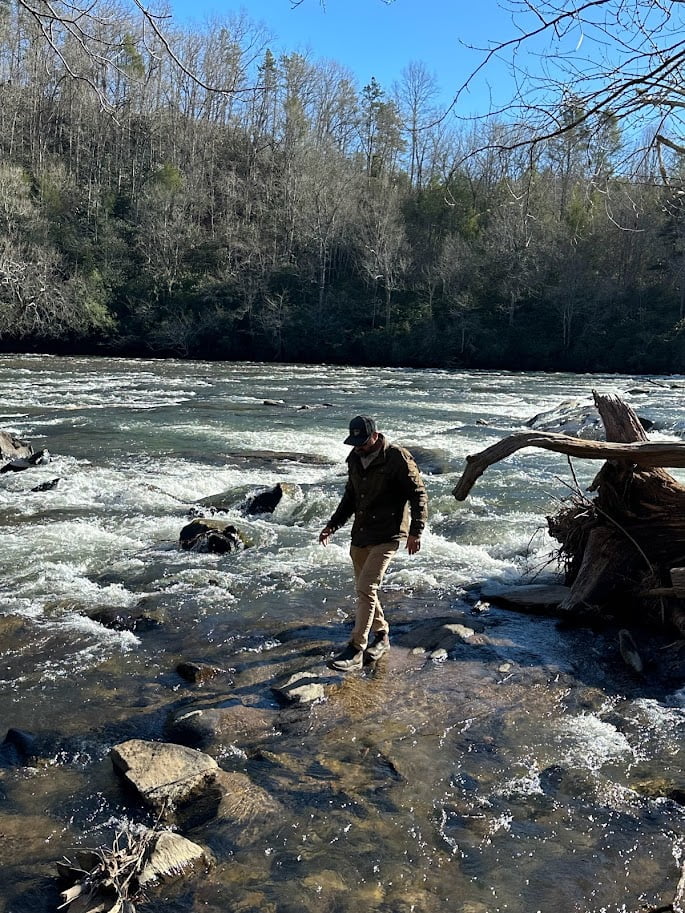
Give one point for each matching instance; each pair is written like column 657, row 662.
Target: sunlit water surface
column 502, row 779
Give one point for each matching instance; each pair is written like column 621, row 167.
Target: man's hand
column 413, row 544
column 325, row 535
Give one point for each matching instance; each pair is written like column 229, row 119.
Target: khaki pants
column 370, row 563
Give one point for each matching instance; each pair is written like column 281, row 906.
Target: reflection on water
column 524, row 771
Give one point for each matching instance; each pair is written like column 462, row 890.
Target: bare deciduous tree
column 103, row 43
column 584, row 64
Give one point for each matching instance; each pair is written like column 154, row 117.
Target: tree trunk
column 620, row 548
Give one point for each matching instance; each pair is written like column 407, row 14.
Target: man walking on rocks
column 386, row 495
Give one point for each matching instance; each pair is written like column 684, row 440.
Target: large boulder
column 208, row 535
column 19, row 464
column 12, row 448
column 140, row 618
column 529, row 597
column 189, row 786
column 250, row 500
column 172, row 779
column 577, row 418
column 433, row 462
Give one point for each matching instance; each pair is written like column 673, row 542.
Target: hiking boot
column 350, row 659
column 379, row 646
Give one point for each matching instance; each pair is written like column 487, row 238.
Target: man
column 386, row 494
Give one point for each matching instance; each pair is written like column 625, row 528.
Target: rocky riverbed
column 307, row 776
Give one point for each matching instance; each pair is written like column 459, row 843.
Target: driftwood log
column 623, row 550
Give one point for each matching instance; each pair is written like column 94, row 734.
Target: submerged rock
column 244, row 802
column 302, row 687
column 278, row 456
column 438, row 636
column 227, row 723
column 198, row 673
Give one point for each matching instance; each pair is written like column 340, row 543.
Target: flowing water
column 526, row 772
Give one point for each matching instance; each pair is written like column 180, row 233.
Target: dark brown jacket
column 388, row 498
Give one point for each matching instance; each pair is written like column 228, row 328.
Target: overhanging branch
column 645, row 455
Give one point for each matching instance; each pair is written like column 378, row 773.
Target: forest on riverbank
column 298, row 216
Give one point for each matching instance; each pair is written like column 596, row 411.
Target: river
column 522, row 775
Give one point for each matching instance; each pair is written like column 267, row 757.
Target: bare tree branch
column 576, row 65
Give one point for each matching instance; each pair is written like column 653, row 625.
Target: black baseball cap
column 361, row 429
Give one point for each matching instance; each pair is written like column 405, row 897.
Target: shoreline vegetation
column 296, row 216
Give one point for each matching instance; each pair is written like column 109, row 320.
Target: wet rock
column 172, row 779
column 169, row 856
column 445, row 634
column 274, row 456
column 206, row 535
column 12, row 447
column 249, row 500
column 244, row 802
column 433, row 462
column 629, row 651
column 198, row 673
column 41, row 458
column 439, row 655
column 576, row 418
column 300, row 688
column 266, row 502
column 11, row 625
column 138, row 619
column 18, row 748
column 326, row 881
column 533, row 596
column 15, row 466
column 229, row 723
column 47, row 486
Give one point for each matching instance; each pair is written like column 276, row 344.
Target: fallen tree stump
column 623, row 551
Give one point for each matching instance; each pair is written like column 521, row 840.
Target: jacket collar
column 353, row 457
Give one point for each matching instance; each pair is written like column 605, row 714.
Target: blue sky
column 379, row 39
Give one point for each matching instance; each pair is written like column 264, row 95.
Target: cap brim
column 353, row 441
